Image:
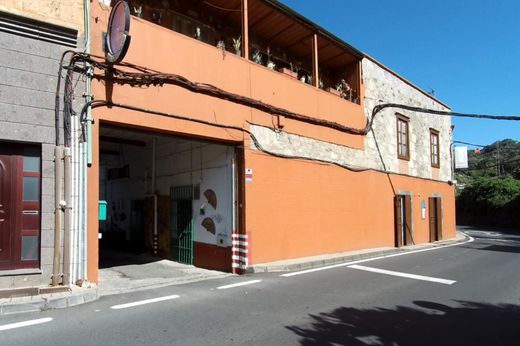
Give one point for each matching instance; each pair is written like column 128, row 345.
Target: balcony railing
column 266, row 33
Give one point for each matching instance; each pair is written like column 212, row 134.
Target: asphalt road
column 468, row 294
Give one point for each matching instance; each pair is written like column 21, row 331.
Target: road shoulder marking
column 238, row 284
column 404, row 275
column 346, row 264
column 144, row 302
column 25, row 323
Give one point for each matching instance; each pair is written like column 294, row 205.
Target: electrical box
column 102, row 210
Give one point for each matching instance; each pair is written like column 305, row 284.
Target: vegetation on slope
column 489, row 191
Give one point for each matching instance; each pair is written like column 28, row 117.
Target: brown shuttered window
column 403, row 137
column 434, row 148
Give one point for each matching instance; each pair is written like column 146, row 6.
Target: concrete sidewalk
column 343, row 257
column 126, row 278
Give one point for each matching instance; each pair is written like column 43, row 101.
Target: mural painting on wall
column 209, row 222
column 211, row 196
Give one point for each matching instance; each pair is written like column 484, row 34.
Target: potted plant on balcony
column 138, row 11
column 342, row 89
column 292, row 71
column 334, row 90
column 257, row 57
column 237, row 43
column 270, row 63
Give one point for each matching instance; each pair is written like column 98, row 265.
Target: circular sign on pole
column 117, row 39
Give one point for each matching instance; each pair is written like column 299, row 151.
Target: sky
column 466, row 51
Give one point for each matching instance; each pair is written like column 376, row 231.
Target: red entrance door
column 6, row 202
column 20, row 173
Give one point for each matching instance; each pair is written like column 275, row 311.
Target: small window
column 403, row 138
column 31, row 188
column 434, row 148
column 31, row 159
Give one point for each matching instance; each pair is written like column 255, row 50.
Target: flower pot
column 333, row 91
column 288, row 72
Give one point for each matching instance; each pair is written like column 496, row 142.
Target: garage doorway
column 168, row 198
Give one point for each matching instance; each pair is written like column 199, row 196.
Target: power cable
column 147, row 77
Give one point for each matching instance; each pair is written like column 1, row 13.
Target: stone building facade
column 33, row 37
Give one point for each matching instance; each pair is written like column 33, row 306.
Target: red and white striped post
column 239, row 252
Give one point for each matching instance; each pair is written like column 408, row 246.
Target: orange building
column 226, row 184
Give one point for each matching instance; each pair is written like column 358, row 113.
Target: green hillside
column 488, row 193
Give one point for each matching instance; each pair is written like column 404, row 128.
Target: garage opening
column 167, row 197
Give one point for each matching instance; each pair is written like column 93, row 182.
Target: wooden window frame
column 435, row 152
column 406, row 120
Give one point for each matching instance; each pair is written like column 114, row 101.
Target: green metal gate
column 182, row 223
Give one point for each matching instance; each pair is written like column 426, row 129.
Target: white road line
column 143, row 302
column 339, row 265
column 25, row 323
column 238, row 284
column 404, row 275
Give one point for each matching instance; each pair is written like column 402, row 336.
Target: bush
column 490, row 201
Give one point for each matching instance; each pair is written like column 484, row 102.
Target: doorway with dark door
column 435, row 218
column 403, row 220
column 20, row 182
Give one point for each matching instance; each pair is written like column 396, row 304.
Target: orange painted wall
column 293, row 208
column 299, row 208
column 167, row 51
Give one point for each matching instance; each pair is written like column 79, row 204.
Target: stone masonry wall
column 28, row 77
column 381, row 86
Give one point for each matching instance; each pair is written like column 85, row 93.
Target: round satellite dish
column 117, row 39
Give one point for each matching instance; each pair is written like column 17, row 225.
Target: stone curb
column 264, row 268
column 46, row 302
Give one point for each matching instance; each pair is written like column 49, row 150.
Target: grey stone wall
column 381, row 86
column 28, row 77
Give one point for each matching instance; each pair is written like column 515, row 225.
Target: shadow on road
column 469, row 323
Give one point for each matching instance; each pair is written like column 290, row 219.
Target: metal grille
column 182, row 223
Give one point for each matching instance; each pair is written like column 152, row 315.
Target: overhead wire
column 134, row 75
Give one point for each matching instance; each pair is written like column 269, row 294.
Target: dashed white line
column 339, row 265
column 144, row 302
column 25, row 323
column 404, row 275
column 244, row 283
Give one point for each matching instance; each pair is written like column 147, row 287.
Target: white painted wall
column 178, row 164
column 207, row 165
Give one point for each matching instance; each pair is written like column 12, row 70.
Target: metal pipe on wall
column 85, row 161
column 57, row 217
column 73, row 206
column 67, row 217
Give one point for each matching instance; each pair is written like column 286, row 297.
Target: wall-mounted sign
column 117, row 39
column 461, row 157
column 423, row 209
column 249, row 175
